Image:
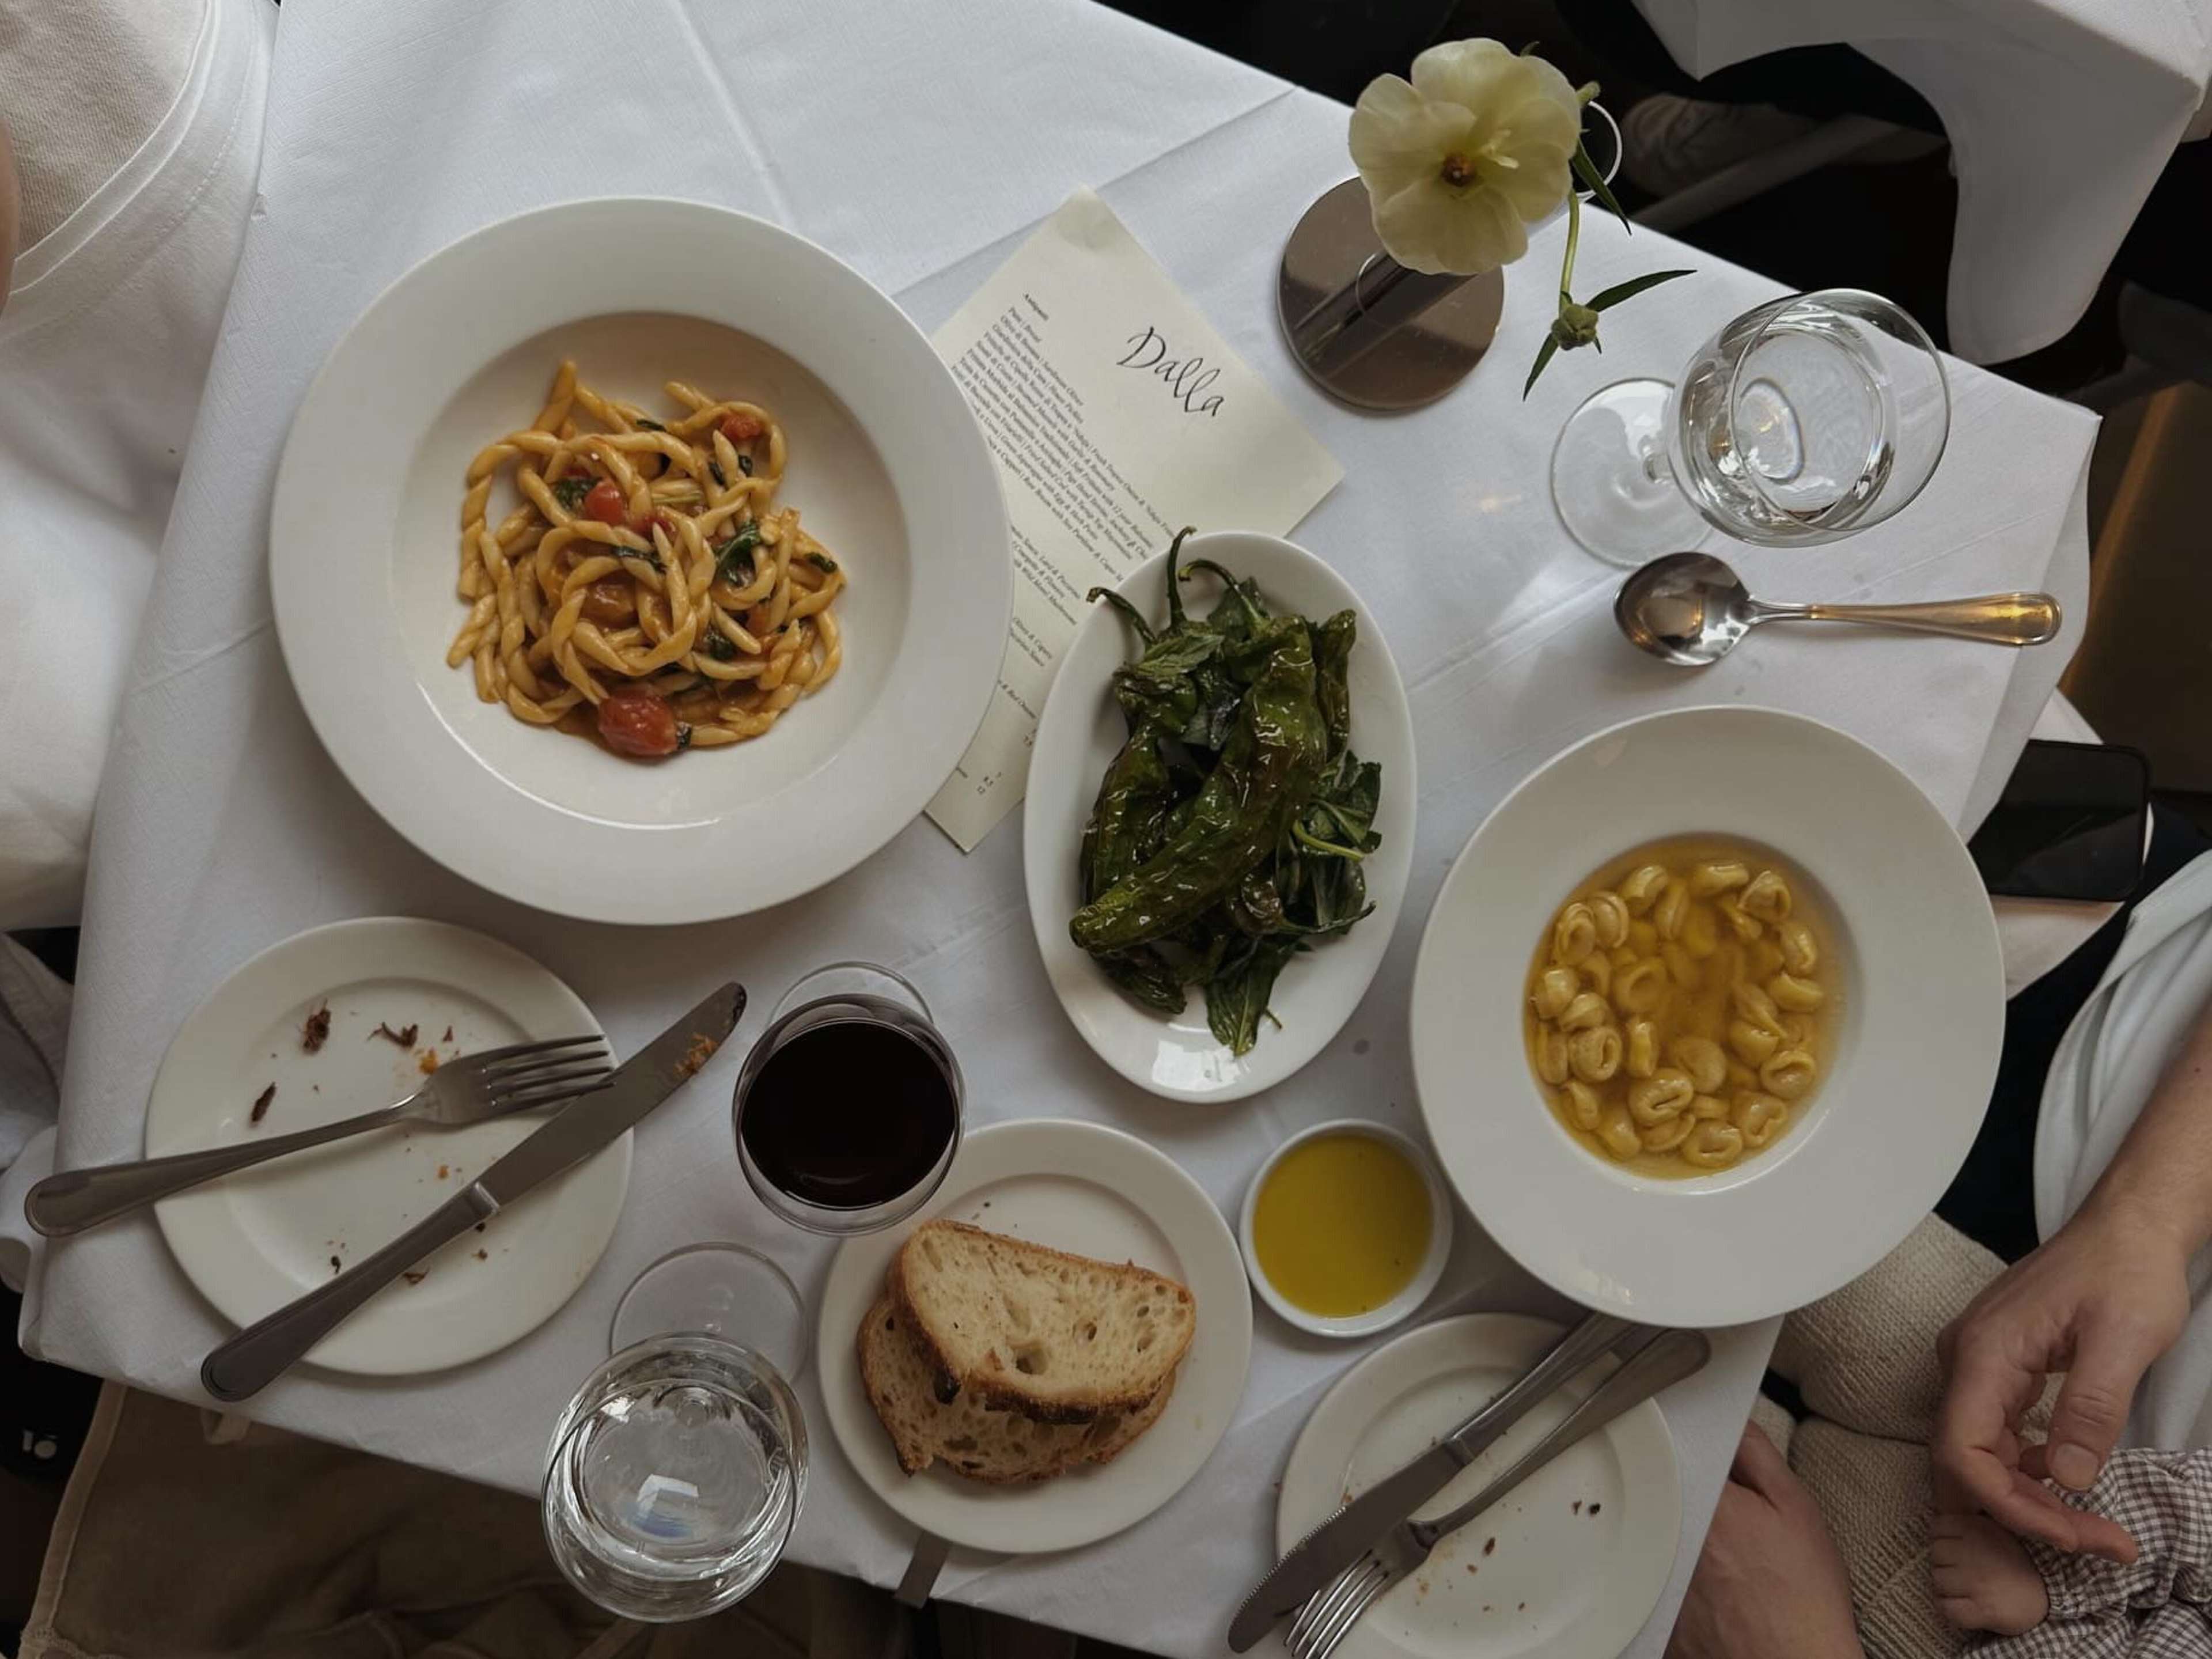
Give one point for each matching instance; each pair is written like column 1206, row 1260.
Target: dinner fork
column 466, row 1089
column 1659, row 1360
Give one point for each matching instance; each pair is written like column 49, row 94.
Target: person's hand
column 2099, row 1301
column 1768, row 1580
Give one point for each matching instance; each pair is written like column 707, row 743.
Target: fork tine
column 525, row 1050
column 543, row 1077
column 1322, row 1603
column 1376, row 1582
column 530, row 1097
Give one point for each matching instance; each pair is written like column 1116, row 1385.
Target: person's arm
column 2099, row 1300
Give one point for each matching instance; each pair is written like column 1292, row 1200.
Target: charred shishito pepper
column 1229, row 830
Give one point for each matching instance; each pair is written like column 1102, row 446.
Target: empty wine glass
column 677, row 1473
column 1802, row 421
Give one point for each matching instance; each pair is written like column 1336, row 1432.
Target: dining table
column 921, row 144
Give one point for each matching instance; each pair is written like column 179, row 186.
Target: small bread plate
column 885, row 464
column 1078, row 734
column 253, row 1241
column 1096, row 1192
column 1913, row 1013
column 1567, row 1565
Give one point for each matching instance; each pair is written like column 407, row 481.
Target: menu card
column 1117, row 416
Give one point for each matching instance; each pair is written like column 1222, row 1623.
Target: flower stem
column 1574, row 236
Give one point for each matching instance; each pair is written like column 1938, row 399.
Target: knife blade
column 1659, row 1361
column 1339, row 1541
column 261, row 1352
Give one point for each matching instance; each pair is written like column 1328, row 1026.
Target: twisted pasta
column 644, row 591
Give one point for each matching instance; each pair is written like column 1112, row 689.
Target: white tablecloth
column 921, row 142
column 2061, row 113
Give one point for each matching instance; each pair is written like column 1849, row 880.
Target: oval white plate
column 887, row 467
column 1078, row 736
column 1567, row 1565
column 1923, row 999
column 1096, row 1192
column 253, row 1241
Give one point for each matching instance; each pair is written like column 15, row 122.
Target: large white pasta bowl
column 887, row 466
column 1920, row 976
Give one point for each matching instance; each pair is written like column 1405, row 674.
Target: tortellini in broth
column 1682, row 1004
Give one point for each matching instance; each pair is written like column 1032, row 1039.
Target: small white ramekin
column 1401, row 1306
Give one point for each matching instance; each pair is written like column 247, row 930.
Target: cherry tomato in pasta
column 603, row 502
column 636, row 721
column 740, row 427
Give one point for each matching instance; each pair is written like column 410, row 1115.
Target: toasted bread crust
column 992, row 1379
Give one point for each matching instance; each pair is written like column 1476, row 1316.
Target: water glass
column 674, row 1478
column 1807, row 419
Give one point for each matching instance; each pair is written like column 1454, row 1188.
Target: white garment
column 2112, row 1058
column 104, row 345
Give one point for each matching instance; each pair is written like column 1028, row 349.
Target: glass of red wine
column 848, row 1108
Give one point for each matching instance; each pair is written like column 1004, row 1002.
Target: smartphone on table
column 2070, row 824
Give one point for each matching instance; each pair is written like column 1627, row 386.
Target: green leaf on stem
column 1544, row 356
column 1586, row 170
column 1632, row 287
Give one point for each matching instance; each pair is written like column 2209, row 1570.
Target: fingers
column 1973, row 1429
column 1758, row 1466
column 2109, row 1360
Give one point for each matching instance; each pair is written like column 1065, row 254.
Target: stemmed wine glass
column 1802, row 421
column 677, row 1473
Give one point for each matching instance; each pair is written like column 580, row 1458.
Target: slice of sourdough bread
column 984, row 1442
column 1058, row 1337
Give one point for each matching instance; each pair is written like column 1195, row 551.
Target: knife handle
column 264, row 1350
column 1575, row 1351
column 1659, row 1361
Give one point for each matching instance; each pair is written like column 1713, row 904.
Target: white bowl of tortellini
column 1706, row 1015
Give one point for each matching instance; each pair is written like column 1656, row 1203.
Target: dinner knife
column 261, row 1352
column 1660, row 1362
column 1339, row 1541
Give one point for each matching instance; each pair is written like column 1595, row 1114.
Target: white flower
column 1460, row 159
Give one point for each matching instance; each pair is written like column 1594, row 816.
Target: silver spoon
column 1690, row 608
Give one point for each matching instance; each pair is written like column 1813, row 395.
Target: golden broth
column 1682, row 1004
column 1341, row 1225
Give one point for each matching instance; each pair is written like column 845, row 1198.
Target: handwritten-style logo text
column 1187, row 378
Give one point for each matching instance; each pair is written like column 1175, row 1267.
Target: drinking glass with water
column 1802, row 421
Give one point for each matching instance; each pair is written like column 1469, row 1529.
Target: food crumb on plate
column 413, row 1277
column 448, row 1038
column 1488, row 1544
column 443, row 1171
column 426, row 1061
column 480, row 1254
column 1593, row 1509
column 334, row 1264
column 1578, row 1506
column 1472, row 1570
column 316, row 1030
column 261, row 1104
column 404, row 1036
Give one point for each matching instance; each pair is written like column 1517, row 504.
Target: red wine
column 848, row 1113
